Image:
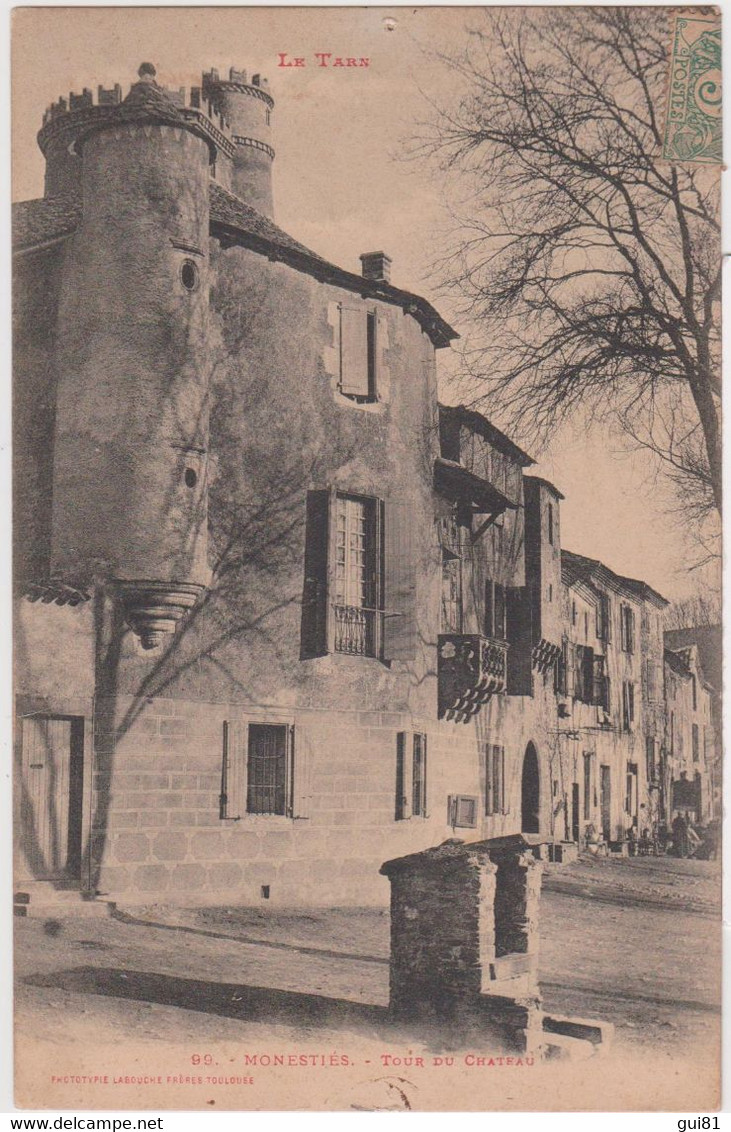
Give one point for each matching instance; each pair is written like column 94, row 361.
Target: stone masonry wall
column 157, row 787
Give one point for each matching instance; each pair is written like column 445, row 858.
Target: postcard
column 367, row 489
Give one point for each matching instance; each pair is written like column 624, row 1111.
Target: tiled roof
column 458, row 482
column 480, row 424
column 576, row 567
column 545, row 483
column 235, row 222
column 708, row 639
column 38, row 222
column 229, row 212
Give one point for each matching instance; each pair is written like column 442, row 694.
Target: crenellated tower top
column 212, row 109
column 247, row 105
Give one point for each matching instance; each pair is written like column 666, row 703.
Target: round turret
column 130, row 455
column 69, row 120
column 248, row 108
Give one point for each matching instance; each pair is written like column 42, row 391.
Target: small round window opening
column 189, row 275
column 191, row 477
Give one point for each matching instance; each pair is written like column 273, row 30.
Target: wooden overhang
column 461, row 485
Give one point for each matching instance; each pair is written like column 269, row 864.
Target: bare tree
column 588, row 266
column 700, row 610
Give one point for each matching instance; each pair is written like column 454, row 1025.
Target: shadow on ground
column 251, row 1004
column 267, row 1005
column 300, row 948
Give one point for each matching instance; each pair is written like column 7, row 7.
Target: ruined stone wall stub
column 464, row 937
column 442, row 934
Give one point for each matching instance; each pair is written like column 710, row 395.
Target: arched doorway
column 530, row 792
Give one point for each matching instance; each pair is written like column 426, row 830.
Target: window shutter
column 489, row 791
column 500, row 612
column 404, row 776
column 224, row 809
column 570, row 670
column 598, row 689
column 233, row 772
column 489, row 608
column 354, row 352
column 579, row 672
column 587, row 676
column 399, row 602
column 418, row 807
column 300, row 774
column 315, row 602
column 503, row 802
column 498, row 779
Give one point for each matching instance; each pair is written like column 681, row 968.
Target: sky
column 344, row 185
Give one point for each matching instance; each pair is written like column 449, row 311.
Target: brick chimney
column 376, row 266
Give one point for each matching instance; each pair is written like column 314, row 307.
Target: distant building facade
column 690, row 738
column 281, row 615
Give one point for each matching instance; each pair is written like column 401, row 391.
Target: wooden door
column 52, row 792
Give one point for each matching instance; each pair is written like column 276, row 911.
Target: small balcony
column 471, row 669
column 357, row 630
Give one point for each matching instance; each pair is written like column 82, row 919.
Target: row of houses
column 281, row 614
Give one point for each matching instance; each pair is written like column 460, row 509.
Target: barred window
column 269, row 770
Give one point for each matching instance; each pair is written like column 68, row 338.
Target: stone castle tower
column 131, row 439
column 247, row 107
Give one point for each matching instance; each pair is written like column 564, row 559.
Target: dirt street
column 636, row 942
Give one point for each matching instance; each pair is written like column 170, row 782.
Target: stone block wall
column 158, row 832
column 152, row 826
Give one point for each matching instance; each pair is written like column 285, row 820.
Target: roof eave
column 439, row 331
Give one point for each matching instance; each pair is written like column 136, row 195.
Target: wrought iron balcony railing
column 357, row 630
column 471, row 669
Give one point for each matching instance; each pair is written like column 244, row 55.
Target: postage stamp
column 693, row 117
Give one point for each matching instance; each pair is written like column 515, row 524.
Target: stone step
column 560, row 1047
column 592, row 1030
column 41, row 900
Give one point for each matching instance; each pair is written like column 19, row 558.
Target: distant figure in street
column 709, row 849
column 694, row 840
column 593, row 839
column 680, row 837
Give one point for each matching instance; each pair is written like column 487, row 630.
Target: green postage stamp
column 693, row 119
